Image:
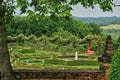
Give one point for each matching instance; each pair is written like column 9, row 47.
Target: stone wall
column 59, row 75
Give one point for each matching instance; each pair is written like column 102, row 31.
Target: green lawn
column 55, row 67
column 49, row 60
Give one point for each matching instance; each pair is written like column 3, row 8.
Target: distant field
column 113, row 30
column 111, row 27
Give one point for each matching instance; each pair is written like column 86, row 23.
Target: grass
column 111, row 27
column 45, row 52
column 37, row 60
column 55, row 67
column 112, row 30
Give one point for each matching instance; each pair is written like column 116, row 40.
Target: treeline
column 101, row 21
column 52, row 27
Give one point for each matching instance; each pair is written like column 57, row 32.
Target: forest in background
column 64, row 27
column 101, row 21
column 53, row 34
column 51, row 27
column 109, row 25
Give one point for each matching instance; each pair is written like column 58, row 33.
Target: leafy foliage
column 53, row 8
column 115, row 66
column 46, row 26
column 118, row 40
column 105, row 5
column 44, row 8
column 7, row 9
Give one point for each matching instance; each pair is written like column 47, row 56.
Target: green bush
column 81, row 48
column 81, row 62
column 51, row 47
column 72, row 56
column 70, row 63
column 64, row 49
column 115, row 66
column 29, row 50
column 55, row 61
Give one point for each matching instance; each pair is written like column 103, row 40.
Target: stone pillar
column 105, row 59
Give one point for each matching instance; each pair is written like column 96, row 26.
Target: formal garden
column 42, row 39
column 51, row 53
column 58, row 54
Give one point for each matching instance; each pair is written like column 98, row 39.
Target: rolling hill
column 111, row 27
column 101, row 21
column 113, row 30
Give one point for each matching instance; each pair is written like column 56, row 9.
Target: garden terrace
column 35, row 64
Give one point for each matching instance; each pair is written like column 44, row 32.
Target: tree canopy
column 37, row 8
column 48, row 27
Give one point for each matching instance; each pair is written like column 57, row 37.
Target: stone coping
column 29, row 70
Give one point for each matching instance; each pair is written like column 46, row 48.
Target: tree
column 53, row 8
column 95, row 29
column 115, row 66
column 6, row 13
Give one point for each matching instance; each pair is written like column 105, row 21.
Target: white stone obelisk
column 76, row 55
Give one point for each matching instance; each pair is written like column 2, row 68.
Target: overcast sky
column 80, row 11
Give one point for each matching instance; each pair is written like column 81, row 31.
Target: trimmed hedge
column 72, row 56
column 70, row 63
column 55, row 61
column 29, row 50
column 81, row 62
column 55, row 43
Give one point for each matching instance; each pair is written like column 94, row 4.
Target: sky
column 80, row 11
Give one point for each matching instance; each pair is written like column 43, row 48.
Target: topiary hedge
column 115, row 66
column 81, row 62
column 55, row 61
column 70, row 63
column 29, row 50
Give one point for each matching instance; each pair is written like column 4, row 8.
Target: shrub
column 81, row 62
column 115, row 66
column 70, row 63
column 32, row 38
column 72, row 56
column 81, row 48
column 50, row 47
column 54, row 61
column 29, row 50
column 20, row 38
column 115, row 46
column 64, row 49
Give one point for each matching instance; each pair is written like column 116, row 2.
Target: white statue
column 76, row 55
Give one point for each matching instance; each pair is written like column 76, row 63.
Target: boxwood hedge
column 71, row 63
